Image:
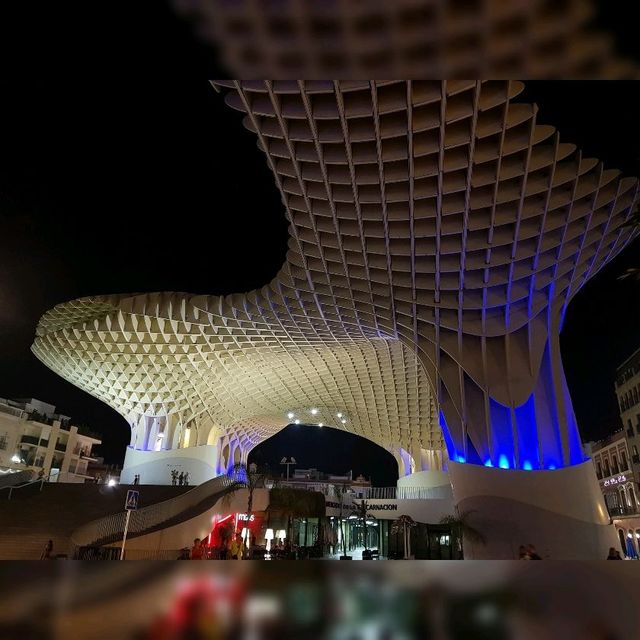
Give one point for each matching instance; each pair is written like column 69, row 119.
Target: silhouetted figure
column 47, row 551
column 186, row 478
column 181, row 479
column 613, row 554
column 533, row 554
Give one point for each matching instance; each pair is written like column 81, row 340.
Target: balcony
column 61, row 446
column 616, row 512
column 34, row 440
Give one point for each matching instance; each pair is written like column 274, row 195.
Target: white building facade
column 33, row 437
column 616, row 478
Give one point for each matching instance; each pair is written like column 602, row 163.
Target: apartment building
column 34, row 437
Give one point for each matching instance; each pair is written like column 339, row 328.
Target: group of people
column 179, row 479
column 528, row 552
column 613, row 554
column 136, row 479
column 201, row 551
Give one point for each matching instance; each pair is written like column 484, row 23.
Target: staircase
column 110, row 529
column 33, row 517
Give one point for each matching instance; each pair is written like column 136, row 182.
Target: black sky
column 122, row 171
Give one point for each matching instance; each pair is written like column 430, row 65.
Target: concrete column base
column 561, row 512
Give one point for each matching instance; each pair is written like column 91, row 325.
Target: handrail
column 111, row 528
column 377, row 493
column 11, row 487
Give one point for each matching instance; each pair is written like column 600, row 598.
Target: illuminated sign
column 382, row 507
column 618, row 480
column 244, row 517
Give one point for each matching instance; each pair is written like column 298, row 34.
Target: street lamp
column 288, row 463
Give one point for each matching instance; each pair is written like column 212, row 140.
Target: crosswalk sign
column 131, row 503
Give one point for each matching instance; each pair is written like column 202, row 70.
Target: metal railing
column 376, row 493
column 111, row 528
column 616, row 511
column 406, row 493
column 13, row 411
column 13, row 487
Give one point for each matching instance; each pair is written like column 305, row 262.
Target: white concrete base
column 155, row 467
column 561, row 512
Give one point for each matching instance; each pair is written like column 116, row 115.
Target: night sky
column 122, row 171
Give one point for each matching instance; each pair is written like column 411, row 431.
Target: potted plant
column 461, row 529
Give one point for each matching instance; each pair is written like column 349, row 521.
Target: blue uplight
column 503, row 463
column 551, row 467
column 461, row 459
column 488, row 463
column 526, row 465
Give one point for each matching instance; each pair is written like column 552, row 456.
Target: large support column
column 518, row 461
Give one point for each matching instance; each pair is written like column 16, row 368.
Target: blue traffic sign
column 131, row 503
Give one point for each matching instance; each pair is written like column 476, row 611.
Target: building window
column 635, row 395
column 625, row 464
column 3, row 441
column 607, row 469
column 599, row 471
column 615, row 464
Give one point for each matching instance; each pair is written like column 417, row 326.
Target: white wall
column 425, row 479
column 155, row 467
column 426, row 511
column 561, row 512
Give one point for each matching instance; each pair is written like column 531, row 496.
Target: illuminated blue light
column 525, row 422
column 448, row 440
column 488, row 463
column 502, row 429
column 461, row 459
column 526, row 465
column 551, row 467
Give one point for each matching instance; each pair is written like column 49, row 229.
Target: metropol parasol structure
column 437, row 235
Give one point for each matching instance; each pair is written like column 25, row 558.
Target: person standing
column 181, row 478
column 613, row 554
column 186, row 478
column 47, row 551
column 236, row 547
column 532, row 553
column 197, row 551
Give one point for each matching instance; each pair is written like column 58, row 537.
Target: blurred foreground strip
column 442, row 600
column 436, row 39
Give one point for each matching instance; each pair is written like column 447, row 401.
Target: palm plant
column 250, row 478
column 405, row 524
column 295, row 503
column 461, row 528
